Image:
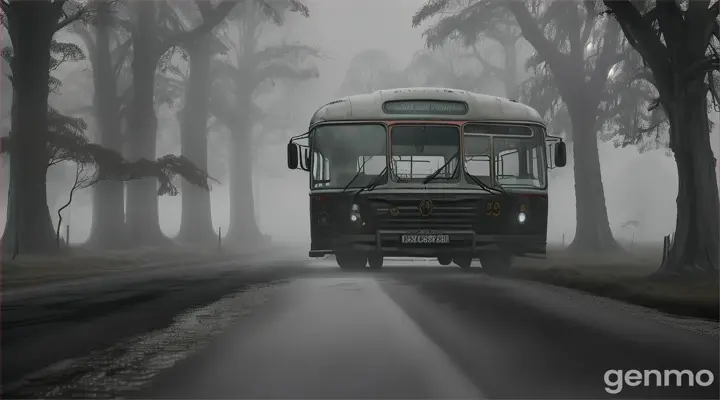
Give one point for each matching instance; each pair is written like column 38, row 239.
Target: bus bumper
column 389, row 243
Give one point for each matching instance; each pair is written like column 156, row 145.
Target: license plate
column 426, row 239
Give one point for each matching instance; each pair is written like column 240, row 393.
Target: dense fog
column 638, row 187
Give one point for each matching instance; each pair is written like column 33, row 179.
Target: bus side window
column 321, row 170
column 549, row 150
column 535, row 162
column 326, row 171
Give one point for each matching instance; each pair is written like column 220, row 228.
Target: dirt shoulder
column 80, row 263
column 626, row 278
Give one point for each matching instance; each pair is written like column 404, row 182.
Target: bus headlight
column 521, row 217
column 355, row 213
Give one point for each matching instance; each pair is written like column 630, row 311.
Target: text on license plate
column 426, row 239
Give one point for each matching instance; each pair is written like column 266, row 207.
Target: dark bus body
column 456, row 216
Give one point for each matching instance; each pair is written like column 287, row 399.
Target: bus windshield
column 420, row 150
column 518, row 156
column 342, row 151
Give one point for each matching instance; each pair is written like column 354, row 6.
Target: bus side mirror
column 560, row 154
column 292, row 156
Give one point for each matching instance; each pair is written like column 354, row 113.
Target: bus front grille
column 405, row 214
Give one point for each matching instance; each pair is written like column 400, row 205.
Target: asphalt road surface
column 284, row 326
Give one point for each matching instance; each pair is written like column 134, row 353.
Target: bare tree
column 82, row 179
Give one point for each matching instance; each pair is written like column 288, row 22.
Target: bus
column 427, row 172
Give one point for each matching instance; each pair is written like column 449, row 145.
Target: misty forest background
column 110, row 108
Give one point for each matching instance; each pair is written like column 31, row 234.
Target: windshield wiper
column 360, row 170
column 375, row 182
column 439, row 170
column 485, row 186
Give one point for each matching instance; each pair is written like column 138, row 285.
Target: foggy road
column 284, row 328
column 138, row 137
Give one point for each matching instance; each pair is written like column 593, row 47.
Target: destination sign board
column 427, row 107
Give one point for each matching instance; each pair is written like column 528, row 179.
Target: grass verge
column 627, row 278
column 79, row 263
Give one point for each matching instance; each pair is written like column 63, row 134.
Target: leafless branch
column 81, row 180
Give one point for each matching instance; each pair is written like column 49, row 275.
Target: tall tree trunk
column 696, row 248
column 582, row 97
column 196, row 223
column 29, row 228
column 592, row 229
column 142, row 214
column 108, row 218
column 243, row 226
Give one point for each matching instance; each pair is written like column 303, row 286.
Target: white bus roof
column 480, row 107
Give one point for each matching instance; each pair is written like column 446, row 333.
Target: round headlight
column 521, row 217
column 355, row 213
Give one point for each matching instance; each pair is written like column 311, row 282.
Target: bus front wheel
column 351, row 260
column 375, row 261
column 444, row 260
column 463, row 261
